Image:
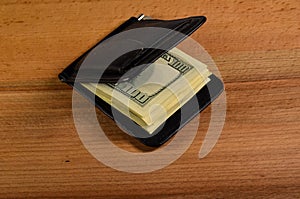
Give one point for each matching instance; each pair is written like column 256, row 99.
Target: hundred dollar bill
column 159, row 91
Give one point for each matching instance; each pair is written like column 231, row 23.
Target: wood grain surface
column 256, row 46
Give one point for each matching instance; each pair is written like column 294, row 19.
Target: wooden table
column 256, row 46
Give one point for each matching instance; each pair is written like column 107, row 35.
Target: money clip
column 131, row 64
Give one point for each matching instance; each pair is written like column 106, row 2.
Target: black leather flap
column 147, row 44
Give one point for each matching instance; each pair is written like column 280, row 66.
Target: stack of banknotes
column 151, row 97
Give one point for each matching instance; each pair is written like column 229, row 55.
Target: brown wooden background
column 256, row 46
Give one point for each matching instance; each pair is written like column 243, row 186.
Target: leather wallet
column 134, row 62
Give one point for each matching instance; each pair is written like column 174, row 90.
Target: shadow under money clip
column 100, row 64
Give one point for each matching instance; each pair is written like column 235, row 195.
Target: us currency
column 159, row 91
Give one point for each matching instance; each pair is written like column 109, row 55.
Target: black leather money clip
column 131, row 64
